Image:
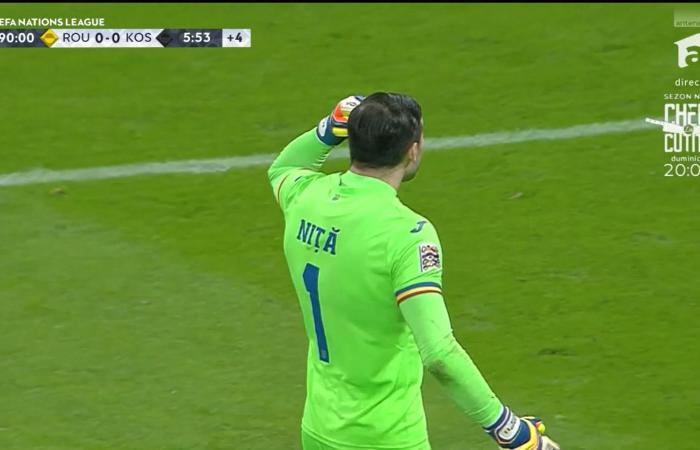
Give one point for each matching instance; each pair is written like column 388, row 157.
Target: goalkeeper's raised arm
column 301, row 160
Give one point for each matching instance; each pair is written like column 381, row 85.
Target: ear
column 412, row 154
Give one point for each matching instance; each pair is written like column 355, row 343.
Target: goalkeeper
column 367, row 271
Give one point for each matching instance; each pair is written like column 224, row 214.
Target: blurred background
column 156, row 312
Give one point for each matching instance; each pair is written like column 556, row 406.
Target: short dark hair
column 382, row 128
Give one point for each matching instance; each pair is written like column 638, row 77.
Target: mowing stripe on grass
column 199, row 166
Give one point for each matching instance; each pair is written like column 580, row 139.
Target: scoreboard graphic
column 125, row 38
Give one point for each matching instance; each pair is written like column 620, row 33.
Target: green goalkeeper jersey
column 354, row 252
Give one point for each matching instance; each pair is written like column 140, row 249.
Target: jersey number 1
column 311, row 285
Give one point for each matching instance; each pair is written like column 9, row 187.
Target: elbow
column 438, row 369
column 436, row 360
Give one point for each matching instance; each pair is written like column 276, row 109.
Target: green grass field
column 155, row 312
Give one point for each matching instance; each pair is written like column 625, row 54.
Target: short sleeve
column 416, row 261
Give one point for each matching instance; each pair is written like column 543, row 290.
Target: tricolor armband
column 425, row 287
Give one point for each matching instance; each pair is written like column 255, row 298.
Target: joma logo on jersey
column 419, row 226
column 322, row 239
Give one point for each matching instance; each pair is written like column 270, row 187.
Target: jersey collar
column 364, row 183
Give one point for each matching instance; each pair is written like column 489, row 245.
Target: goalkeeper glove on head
column 333, row 129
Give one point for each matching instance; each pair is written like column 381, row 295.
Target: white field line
column 199, row 166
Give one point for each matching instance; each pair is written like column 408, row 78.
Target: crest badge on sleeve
column 429, row 256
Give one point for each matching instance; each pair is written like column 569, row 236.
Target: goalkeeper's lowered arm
column 445, row 358
column 447, row 361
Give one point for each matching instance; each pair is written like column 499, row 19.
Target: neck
column 392, row 176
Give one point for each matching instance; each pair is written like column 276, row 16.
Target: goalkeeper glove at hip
column 333, row 129
column 513, row 432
